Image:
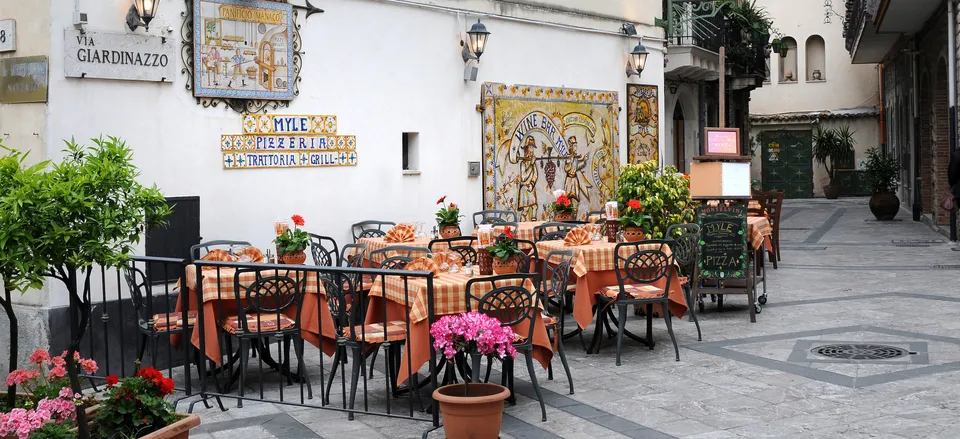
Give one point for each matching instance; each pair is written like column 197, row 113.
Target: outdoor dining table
column 758, row 229
column 219, row 300
column 523, row 230
column 374, row 244
column 594, row 267
column 449, row 291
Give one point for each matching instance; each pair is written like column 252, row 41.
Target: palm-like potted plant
column 504, row 252
column 473, row 410
column 448, row 218
column 829, row 147
column 882, row 173
column 291, row 243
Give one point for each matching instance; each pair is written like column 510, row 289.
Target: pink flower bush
column 21, row 376
column 39, row 356
column 61, row 408
column 22, row 422
column 472, row 332
column 88, row 365
column 48, row 375
column 57, row 373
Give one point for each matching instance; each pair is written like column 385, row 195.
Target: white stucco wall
column 687, row 98
column 846, row 85
column 383, row 69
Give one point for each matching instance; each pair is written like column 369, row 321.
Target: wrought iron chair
column 395, row 257
column 261, row 308
column 685, row 248
column 512, row 305
column 370, row 229
column 206, row 246
column 552, row 231
column 637, row 270
column 529, row 258
column 556, row 276
column 464, row 245
column 154, row 325
column 357, row 338
column 324, row 250
column 598, row 214
column 773, row 204
column 494, row 217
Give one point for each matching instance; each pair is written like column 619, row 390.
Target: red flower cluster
column 563, row 200
column 634, row 204
column 507, row 232
column 297, row 220
column 112, row 380
column 442, row 199
column 164, row 384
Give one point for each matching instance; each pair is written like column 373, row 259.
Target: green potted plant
column 291, row 243
column 634, row 222
column 882, row 171
column 504, row 252
column 664, row 195
column 135, row 407
column 829, row 147
column 563, row 208
column 96, row 191
column 472, row 410
column 448, row 218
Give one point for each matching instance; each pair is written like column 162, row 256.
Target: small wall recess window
column 411, row 153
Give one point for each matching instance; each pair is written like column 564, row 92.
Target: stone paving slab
column 844, row 278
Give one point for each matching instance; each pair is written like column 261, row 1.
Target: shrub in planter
column 135, row 406
column 882, row 171
column 829, row 147
column 664, row 195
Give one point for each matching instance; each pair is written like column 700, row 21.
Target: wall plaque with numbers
column 8, row 35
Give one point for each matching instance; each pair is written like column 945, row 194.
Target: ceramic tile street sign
column 128, row 57
column 8, row 35
column 24, row 79
column 288, row 141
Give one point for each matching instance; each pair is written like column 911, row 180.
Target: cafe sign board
column 127, row 57
column 723, row 242
column 8, row 35
column 722, row 142
column 24, row 79
column 288, row 141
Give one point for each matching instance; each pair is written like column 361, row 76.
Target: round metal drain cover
column 860, row 351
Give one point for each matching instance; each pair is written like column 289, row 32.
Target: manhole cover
column 860, row 351
column 912, row 245
column 946, row 267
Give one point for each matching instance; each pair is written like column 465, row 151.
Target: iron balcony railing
column 696, row 23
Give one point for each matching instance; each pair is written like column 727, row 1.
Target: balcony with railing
column 694, row 33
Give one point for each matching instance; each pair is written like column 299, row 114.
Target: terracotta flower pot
column 633, row 234
column 884, row 205
column 485, row 263
column 505, row 266
column 831, row 192
column 294, row 258
column 450, row 231
column 477, row 416
column 562, row 216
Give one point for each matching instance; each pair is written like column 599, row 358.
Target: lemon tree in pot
column 832, row 145
column 472, row 410
column 882, row 173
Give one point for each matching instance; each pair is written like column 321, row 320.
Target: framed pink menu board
column 722, row 141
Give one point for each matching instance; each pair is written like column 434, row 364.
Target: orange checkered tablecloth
column 524, row 230
column 596, row 256
column 374, row 244
column 219, row 301
column 449, row 291
column 758, row 228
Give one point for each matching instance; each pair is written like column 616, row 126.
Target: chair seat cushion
column 173, row 320
column 396, row 330
column 634, row 291
column 261, row 322
column 549, row 320
column 683, row 280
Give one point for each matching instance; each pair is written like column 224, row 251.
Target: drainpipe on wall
column 917, row 179
column 952, row 87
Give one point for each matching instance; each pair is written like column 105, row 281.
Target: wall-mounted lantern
column 141, row 13
column 638, row 60
column 478, row 38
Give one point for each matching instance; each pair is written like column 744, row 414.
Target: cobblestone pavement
column 844, row 279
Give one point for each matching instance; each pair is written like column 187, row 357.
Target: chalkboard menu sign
column 723, row 242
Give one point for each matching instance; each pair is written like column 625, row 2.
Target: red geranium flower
column 563, row 200
column 507, row 232
column 297, row 220
column 442, row 199
column 166, row 386
column 634, row 204
column 112, row 380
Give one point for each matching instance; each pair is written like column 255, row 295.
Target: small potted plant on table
column 882, row 171
column 504, row 253
column 634, row 222
column 291, row 243
column 448, row 219
column 472, row 410
column 563, row 208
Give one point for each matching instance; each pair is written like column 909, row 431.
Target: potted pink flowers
column 472, row 410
